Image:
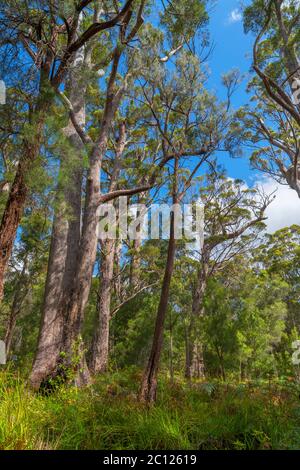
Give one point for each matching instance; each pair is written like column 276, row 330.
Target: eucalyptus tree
column 45, row 33
column 69, row 314
column 142, row 148
column 272, row 122
column 192, row 125
column 66, row 229
column 278, row 254
column 100, row 346
column 27, row 265
column 234, row 216
column 245, row 320
column 122, row 74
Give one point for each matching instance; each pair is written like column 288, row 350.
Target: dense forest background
column 159, row 342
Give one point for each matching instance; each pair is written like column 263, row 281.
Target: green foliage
column 108, row 416
column 182, row 19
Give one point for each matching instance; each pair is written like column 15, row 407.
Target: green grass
column 108, row 416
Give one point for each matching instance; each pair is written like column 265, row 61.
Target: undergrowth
column 107, row 415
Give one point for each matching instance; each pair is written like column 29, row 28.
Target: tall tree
column 234, row 216
column 47, row 34
column 273, row 123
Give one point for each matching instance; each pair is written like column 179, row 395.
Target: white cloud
column 285, row 209
column 234, row 16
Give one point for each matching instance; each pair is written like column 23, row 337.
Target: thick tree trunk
column 73, row 309
column 61, row 265
column 64, row 241
column 81, row 283
column 197, row 369
column 51, row 329
column 100, row 348
column 149, row 381
column 10, row 221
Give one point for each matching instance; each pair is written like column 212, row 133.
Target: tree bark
column 65, row 240
column 171, row 365
column 17, row 197
column 100, row 348
column 20, row 294
column 194, row 366
column 50, row 336
column 18, row 193
column 149, row 382
column 73, row 310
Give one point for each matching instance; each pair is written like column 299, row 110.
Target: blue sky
column 232, row 49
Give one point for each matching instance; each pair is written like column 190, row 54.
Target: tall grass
column 107, row 415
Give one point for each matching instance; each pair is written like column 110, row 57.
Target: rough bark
column 65, row 240
column 16, row 200
column 197, row 367
column 171, row 365
column 50, row 336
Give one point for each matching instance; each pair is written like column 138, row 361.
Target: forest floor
column 107, row 415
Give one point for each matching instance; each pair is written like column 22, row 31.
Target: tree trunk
column 136, row 257
column 188, row 353
column 73, row 309
column 18, row 193
column 64, row 241
column 61, row 265
column 50, row 336
column 20, row 294
column 16, row 200
column 221, row 362
column 197, row 369
column 100, row 348
column 171, row 365
column 194, row 367
column 149, row 381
